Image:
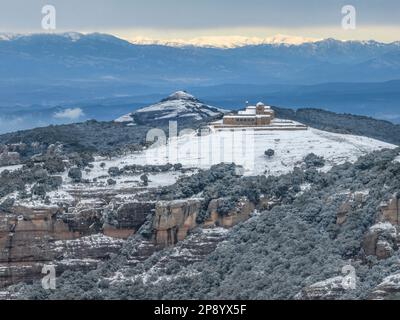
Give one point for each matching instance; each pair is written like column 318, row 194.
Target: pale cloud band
column 387, row 33
column 162, row 19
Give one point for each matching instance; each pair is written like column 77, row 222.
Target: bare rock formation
column 380, row 240
column 388, row 289
column 329, row 289
column 240, row 213
column 353, row 201
column 174, row 219
column 390, row 210
column 30, row 238
column 128, row 218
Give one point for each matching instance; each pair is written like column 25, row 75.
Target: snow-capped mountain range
column 281, row 59
column 179, row 105
column 59, row 69
column 221, row 42
column 206, row 41
column 228, row 42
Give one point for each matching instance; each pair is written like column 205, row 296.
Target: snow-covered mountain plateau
column 152, row 212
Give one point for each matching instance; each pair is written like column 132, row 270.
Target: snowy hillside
column 179, row 105
column 243, row 147
column 247, row 147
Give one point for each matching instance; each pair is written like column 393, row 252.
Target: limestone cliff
column 390, row 210
column 241, row 212
column 80, row 237
column 76, row 239
column 174, row 219
column 382, row 239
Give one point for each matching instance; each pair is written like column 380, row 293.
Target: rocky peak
column 180, row 95
column 179, row 106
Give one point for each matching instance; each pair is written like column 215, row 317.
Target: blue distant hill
column 100, row 61
column 101, row 72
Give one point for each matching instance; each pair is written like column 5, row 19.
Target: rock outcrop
column 25, row 242
column 83, row 235
column 329, row 289
column 353, row 201
column 77, row 239
column 380, row 240
column 174, row 219
column 390, row 210
column 240, row 213
column 127, row 219
column 388, row 289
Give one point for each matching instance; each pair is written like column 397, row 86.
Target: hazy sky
column 163, row 19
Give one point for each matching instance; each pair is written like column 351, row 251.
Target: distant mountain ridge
column 69, row 70
column 60, row 58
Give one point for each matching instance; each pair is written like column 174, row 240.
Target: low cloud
column 70, row 114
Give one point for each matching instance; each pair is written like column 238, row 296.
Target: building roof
column 248, row 116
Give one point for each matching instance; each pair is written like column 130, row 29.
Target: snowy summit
column 226, row 42
column 181, row 95
column 179, row 105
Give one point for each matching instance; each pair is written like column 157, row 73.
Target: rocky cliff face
column 240, row 213
column 388, row 289
column 382, row 238
column 174, row 219
column 329, row 289
column 77, row 239
column 390, row 210
column 83, row 236
column 353, row 201
column 125, row 220
column 41, row 236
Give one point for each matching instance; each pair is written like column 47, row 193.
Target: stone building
column 259, row 115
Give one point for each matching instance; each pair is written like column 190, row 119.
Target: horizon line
column 226, row 41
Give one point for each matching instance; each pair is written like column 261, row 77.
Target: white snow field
column 246, row 147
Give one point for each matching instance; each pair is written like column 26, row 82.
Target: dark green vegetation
column 108, row 138
column 18, row 180
column 91, row 136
